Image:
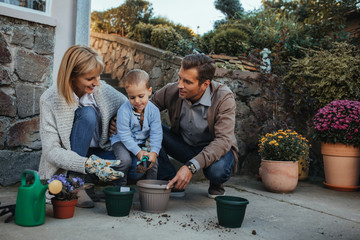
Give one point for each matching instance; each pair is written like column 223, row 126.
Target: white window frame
column 29, row 10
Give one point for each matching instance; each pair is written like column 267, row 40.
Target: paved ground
column 310, row 212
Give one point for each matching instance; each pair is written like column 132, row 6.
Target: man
column 202, row 117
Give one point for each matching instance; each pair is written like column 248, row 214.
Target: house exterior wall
column 31, row 49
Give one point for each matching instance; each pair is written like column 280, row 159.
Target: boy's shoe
column 84, row 201
column 215, row 190
column 175, row 193
column 90, row 191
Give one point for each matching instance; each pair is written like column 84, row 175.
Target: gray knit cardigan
column 56, row 121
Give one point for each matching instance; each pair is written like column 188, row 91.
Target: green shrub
column 323, row 76
column 181, row 47
column 230, row 41
column 204, row 42
column 141, row 33
column 162, row 35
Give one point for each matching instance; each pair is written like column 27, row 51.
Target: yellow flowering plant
column 283, row 145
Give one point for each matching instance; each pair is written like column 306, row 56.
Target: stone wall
column 121, row 55
column 26, row 62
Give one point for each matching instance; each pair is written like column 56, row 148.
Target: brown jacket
column 220, row 117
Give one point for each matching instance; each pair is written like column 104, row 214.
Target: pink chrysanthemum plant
column 338, row 122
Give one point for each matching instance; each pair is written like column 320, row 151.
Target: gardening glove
column 103, row 168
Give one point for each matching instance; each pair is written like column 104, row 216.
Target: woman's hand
column 112, row 127
column 103, row 168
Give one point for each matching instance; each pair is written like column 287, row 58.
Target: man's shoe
column 175, row 193
column 84, row 201
column 216, row 190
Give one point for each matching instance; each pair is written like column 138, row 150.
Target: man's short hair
column 204, row 64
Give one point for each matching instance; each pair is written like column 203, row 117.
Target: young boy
column 138, row 121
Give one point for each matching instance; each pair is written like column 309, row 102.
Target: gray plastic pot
column 153, row 195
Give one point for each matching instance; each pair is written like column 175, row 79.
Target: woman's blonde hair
column 77, row 60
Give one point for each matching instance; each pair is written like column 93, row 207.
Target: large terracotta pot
column 279, row 176
column 341, row 164
column 63, row 209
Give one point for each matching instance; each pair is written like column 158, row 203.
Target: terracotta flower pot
column 341, row 164
column 279, row 176
column 63, row 209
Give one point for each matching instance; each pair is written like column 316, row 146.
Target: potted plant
column 337, row 127
column 280, row 152
column 65, row 201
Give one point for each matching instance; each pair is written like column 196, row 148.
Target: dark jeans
column 173, row 145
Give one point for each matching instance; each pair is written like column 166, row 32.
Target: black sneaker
column 176, row 193
column 216, row 190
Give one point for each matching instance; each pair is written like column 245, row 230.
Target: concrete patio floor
column 310, row 212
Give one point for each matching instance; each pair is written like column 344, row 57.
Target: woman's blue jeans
column 82, row 133
column 173, row 145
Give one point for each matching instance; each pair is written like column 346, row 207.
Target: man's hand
column 181, row 179
column 112, row 127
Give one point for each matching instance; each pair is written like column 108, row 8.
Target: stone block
column 5, row 77
column 245, row 75
column 123, row 52
column 32, row 67
column 5, row 26
column 25, row 133
column 7, row 103
column 5, row 54
column 28, row 99
column 44, row 40
column 14, row 163
column 4, row 124
column 242, row 110
column 221, row 72
column 105, row 47
column 23, row 36
column 155, row 73
column 257, row 105
column 147, row 65
column 243, row 88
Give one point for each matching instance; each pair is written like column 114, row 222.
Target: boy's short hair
column 136, row 76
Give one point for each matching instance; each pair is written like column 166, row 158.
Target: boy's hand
column 152, row 158
column 141, row 154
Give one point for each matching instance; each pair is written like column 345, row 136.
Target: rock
column 25, row 133
column 32, row 67
column 28, row 99
column 5, row 54
column 15, row 163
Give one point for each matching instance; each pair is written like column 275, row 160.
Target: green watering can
column 30, row 202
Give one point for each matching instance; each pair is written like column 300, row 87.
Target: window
column 36, row 6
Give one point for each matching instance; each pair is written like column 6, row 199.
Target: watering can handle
column 28, row 171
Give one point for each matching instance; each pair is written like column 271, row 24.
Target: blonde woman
column 74, row 121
